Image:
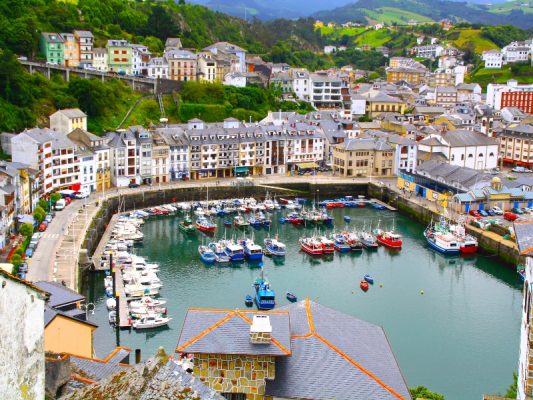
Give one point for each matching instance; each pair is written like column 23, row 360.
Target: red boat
column 161, row 211
column 311, row 246
column 204, row 225
column 389, row 239
column 468, row 245
column 335, row 204
column 363, row 285
column 283, row 201
column 327, row 245
column 361, row 204
column 295, row 219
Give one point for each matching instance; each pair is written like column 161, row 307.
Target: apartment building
column 120, row 56
column 100, row 59
column 301, row 83
column 160, row 159
column 85, row 44
column 325, row 91
column 207, row 67
column 510, row 94
column 157, row 68
column 140, row 57
column 71, row 50
column 227, row 50
column 124, row 158
column 445, row 96
column 182, row 65
column 363, row 157
column 178, row 144
column 516, row 144
column 51, row 46
column 493, row 59
column 67, row 120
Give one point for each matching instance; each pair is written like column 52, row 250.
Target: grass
column 391, row 15
column 485, row 76
column 506, row 8
column 474, row 36
column 147, row 111
column 374, row 38
column 110, row 121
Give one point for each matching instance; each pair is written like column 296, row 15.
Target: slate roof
column 336, row 356
column 71, row 113
column 59, row 295
column 50, row 313
column 365, row 144
column 53, row 37
column 524, row 237
column 462, row 138
column 228, row 332
column 96, row 369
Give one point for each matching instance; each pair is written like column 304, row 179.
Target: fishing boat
column 220, row 256
column 207, row 255
column 378, row 206
column 240, row 222
column 228, row 223
column 186, row 226
column 347, row 218
column 248, row 301
column 311, row 246
column 252, row 251
column 291, row 297
column 254, row 222
column 146, row 301
column 369, row 279
column 340, row 243
column 151, row 321
column 234, row 251
column 388, row 239
column 205, row 226
column 327, row 244
column 363, row 285
column 265, row 298
column 442, row 241
column 468, row 244
column 368, row 241
column 352, row 240
column 294, row 218
column 274, row 247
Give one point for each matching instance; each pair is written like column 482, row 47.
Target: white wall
column 523, row 357
column 22, row 345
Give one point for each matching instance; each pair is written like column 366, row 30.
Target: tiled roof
column 524, row 237
column 71, row 113
column 96, row 369
column 336, row 356
column 228, row 332
column 59, row 295
column 365, row 144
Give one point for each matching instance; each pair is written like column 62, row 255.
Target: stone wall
column 228, row 373
column 22, row 343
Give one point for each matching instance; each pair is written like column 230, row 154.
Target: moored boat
column 207, row 255
column 327, row 245
column 521, row 271
column 363, row 285
column 234, row 251
column 240, row 222
column 442, row 241
column 291, row 297
column 151, row 321
column 252, row 251
column 265, row 298
column 340, row 244
column 368, row 241
column 389, row 239
column 205, row 226
column 274, row 247
column 248, row 300
column 369, row 279
column 186, row 226
column 311, row 246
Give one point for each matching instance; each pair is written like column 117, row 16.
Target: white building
column 405, row 152
column 140, row 57
column 325, row 91
column 22, row 346
column 428, row 51
column 493, row 59
column 157, row 68
column 100, row 60
column 516, row 52
column 124, row 158
column 301, row 83
column 330, row 49
column 358, row 104
column 66, row 120
column 236, row 79
column 178, row 152
column 522, row 97
column 463, row 148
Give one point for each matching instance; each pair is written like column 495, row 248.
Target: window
column 470, row 156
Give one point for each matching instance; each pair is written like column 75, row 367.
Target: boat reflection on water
column 444, row 260
column 278, row 261
column 152, row 333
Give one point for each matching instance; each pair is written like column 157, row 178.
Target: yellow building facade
column 64, row 334
column 406, row 185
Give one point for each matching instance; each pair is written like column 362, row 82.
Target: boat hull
column 468, row 249
column 392, row 244
column 440, row 249
column 312, row 251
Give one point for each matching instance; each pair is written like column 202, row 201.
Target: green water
column 460, row 337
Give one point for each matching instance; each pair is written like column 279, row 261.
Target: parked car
column 474, row 213
column 517, row 210
column 497, row 210
column 23, row 267
column 483, row 213
column 133, row 185
column 68, row 200
column 510, row 216
column 521, row 170
column 82, row 194
column 48, row 218
column 43, row 226
column 21, row 275
column 491, row 212
column 29, row 252
column 60, row 204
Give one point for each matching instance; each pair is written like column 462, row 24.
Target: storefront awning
column 241, row 169
column 307, row 165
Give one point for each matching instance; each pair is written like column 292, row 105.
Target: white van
column 82, row 194
column 60, row 204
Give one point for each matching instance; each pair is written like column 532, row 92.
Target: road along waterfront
column 460, row 337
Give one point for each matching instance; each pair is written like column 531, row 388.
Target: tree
column 181, row 2
column 55, row 197
column 512, row 389
column 26, row 229
column 16, row 260
column 39, row 214
column 423, row 392
column 43, row 204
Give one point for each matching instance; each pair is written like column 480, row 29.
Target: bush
column 39, row 214
column 55, row 197
column 43, row 204
column 423, row 392
column 19, row 251
column 26, row 229
column 16, row 260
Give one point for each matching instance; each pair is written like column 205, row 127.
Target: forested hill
column 401, row 11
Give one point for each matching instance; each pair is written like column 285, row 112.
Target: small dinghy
column 363, row 285
column 249, row 300
column 111, row 303
column 291, row 297
column 112, row 317
column 369, row 279
column 347, row 218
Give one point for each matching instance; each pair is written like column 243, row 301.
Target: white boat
column 112, row 317
column 138, row 290
column 111, row 303
column 151, row 321
column 108, row 281
column 146, row 301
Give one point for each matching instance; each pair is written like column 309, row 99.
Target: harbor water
column 453, row 323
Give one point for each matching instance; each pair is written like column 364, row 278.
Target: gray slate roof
column 59, row 295
column 461, row 138
column 365, row 144
column 339, row 357
column 524, row 237
column 71, row 113
column 201, row 334
column 97, row 370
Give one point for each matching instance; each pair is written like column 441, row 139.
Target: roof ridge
column 206, row 331
column 246, row 319
column 359, row 366
column 104, row 360
column 309, row 316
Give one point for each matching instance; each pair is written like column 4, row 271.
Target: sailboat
column 203, row 224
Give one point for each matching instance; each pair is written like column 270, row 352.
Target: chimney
column 261, row 330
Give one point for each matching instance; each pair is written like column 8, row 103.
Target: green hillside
column 393, row 15
column 508, row 7
column 461, row 38
column 523, row 73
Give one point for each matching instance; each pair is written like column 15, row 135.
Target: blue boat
column 265, row 298
column 254, row 222
column 249, row 300
column 443, row 242
column 369, row 279
column 228, row 223
column 291, row 297
column 207, row 255
column 274, row 247
column 109, row 291
column 378, row 206
column 252, row 251
column 220, row 255
column 234, row 251
column 347, row 218
column 341, row 245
